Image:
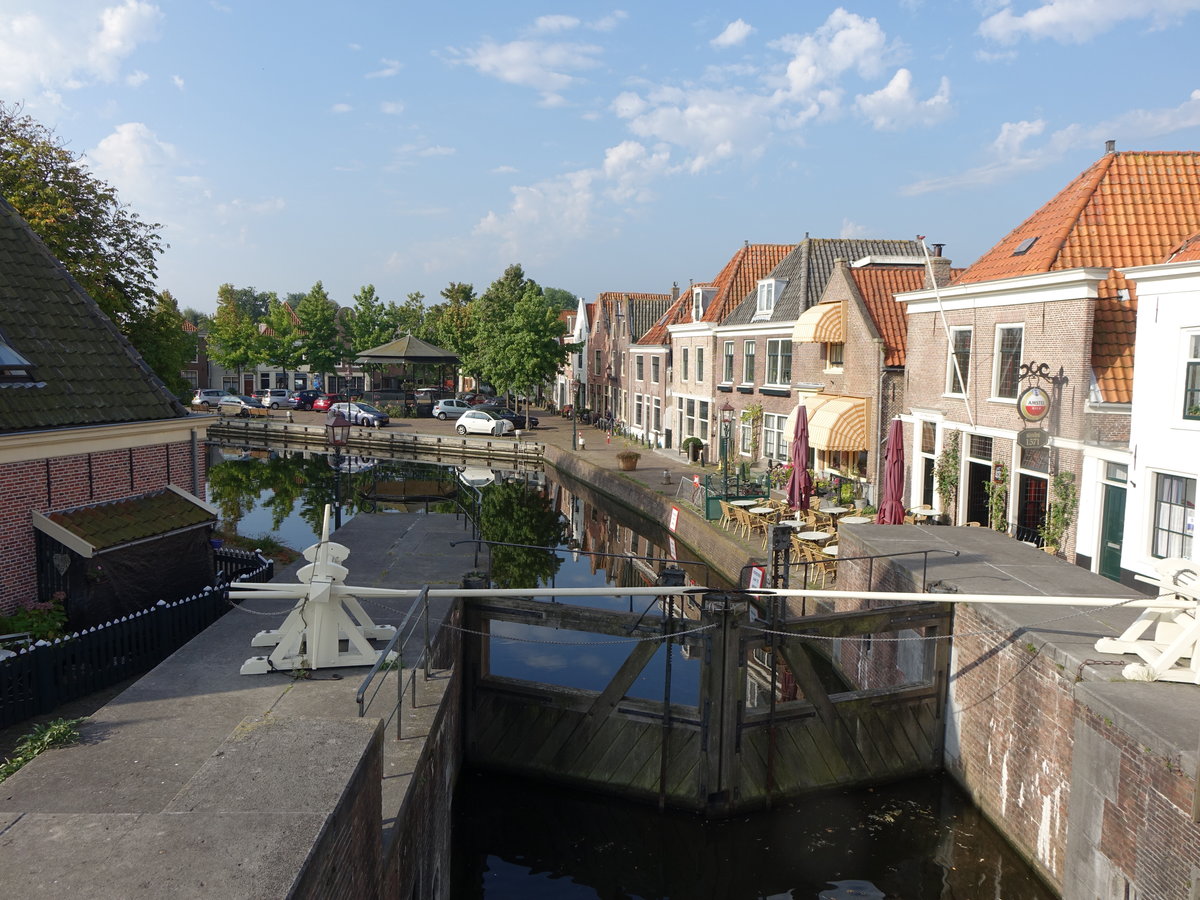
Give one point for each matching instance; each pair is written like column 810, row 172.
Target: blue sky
column 603, row 147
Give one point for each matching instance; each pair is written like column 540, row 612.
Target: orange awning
column 834, row 423
column 820, row 324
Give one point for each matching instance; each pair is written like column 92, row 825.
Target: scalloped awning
column 834, row 422
column 820, row 324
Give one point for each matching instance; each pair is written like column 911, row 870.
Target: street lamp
column 337, row 436
column 726, row 430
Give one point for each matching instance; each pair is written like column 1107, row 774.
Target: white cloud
column 896, row 106
column 609, row 22
column 136, row 78
column 630, row 169
column 340, row 108
column 544, row 66
column 1011, row 154
column 177, row 81
column 548, row 24
column 391, row 107
column 542, row 217
column 852, row 230
column 1078, row 21
column 504, row 170
column 390, row 68
column 44, row 53
column 735, row 33
column 845, row 42
column 436, row 151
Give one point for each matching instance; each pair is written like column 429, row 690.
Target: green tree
column 525, row 349
column 109, row 249
column 373, row 322
column 448, row 324
column 201, row 320
column 410, row 315
column 511, row 514
column 164, row 345
column 254, row 304
column 282, row 344
column 321, row 338
column 558, row 299
column 233, row 340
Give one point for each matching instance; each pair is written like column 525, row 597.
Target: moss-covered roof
column 109, row 525
column 83, row 371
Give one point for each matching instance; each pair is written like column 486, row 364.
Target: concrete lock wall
column 1094, row 782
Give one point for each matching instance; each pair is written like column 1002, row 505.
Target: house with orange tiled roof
column 691, row 375
column 1164, row 436
column 758, row 370
column 619, row 319
column 1049, row 311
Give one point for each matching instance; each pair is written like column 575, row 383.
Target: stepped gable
column 1128, row 209
column 81, row 370
column 807, row 268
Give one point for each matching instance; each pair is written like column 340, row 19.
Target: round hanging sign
column 1033, row 404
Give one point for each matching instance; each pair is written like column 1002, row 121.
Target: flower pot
column 627, row 463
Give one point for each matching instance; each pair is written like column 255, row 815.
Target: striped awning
column 820, row 324
column 834, row 423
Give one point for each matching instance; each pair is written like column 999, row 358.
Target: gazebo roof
column 407, row 349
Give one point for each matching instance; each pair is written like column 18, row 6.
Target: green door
column 1112, row 530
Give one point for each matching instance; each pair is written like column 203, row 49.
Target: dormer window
column 700, row 300
column 14, row 368
column 768, row 289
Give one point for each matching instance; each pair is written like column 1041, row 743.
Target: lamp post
column 726, row 428
column 337, row 436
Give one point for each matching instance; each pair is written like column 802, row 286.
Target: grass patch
column 266, row 543
column 48, row 735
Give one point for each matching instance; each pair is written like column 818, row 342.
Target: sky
column 603, row 147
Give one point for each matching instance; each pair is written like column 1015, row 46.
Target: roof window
column 14, row 368
column 1023, row 247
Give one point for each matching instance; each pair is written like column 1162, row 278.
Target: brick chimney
column 938, row 270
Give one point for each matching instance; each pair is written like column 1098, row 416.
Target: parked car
column 450, row 409
column 239, row 405
column 476, row 421
column 209, row 397
column 519, row 420
column 306, row 398
column 474, row 399
column 276, row 397
column 431, row 395
column 360, row 414
column 324, row 401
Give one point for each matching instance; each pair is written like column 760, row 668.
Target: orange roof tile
column 1188, row 251
column 741, row 275
column 679, row 311
column 1128, row 209
column 877, row 286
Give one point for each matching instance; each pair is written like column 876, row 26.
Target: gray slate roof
column 807, row 270
column 84, row 371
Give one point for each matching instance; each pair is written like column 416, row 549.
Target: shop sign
column 1033, row 404
column 1031, row 438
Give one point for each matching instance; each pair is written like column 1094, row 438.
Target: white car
column 450, row 409
column 276, row 397
column 476, row 421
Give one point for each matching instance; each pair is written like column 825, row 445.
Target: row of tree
column 508, row 336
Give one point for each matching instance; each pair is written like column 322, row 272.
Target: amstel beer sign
column 1033, row 404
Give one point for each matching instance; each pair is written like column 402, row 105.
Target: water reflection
column 918, row 840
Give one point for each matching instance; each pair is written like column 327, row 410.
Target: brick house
column 760, row 358
column 100, row 465
column 639, row 402
column 1047, row 307
column 689, row 331
column 1159, row 510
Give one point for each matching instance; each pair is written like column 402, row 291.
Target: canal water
column 519, row 839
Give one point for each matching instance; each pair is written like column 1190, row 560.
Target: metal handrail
column 385, row 664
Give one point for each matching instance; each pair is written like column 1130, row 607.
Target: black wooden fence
column 43, row 675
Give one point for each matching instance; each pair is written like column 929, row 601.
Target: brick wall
column 66, row 482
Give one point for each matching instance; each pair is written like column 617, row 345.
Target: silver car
column 450, row 409
column 360, row 414
column 240, row 405
column 277, row 397
column 209, row 397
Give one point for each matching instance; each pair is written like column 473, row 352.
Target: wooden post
column 720, row 701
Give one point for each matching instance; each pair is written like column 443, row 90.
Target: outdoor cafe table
column 834, row 511
column 816, row 536
column 830, row 551
column 794, row 523
column 762, row 510
column 744, row 502
column 855, row 520
column 921, row 512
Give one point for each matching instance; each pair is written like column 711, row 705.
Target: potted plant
column 997, row 493
column 692, row 447
column 628, row 460
column 1060, row 512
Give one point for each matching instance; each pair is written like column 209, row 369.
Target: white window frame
column 728, row 363
column 775, row 375
column 655, row 370
column 996, row 361
column 748, row 354
column 765, row 300
column 699, row 364
column 1170, row 520
column 639, row 367
column 774, row 438
column 832, row 365
column 684, row 368
column 955, row 330
column 1191, row 375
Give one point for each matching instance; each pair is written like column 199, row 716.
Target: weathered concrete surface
column 1092, row 777
column 151, row 788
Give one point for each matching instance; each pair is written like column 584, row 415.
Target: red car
column 322, row 403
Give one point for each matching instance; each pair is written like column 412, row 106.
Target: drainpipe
column 195, row 465
column 880, row 426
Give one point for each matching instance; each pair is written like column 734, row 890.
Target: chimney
column 674, row 291
column 938, row 270
column 1110, row 146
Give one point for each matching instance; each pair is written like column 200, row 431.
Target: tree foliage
column 320, row 337
column 512, row 514
column 281, row 343
column 164, row 345
column 559, row 300
column 233, row 340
